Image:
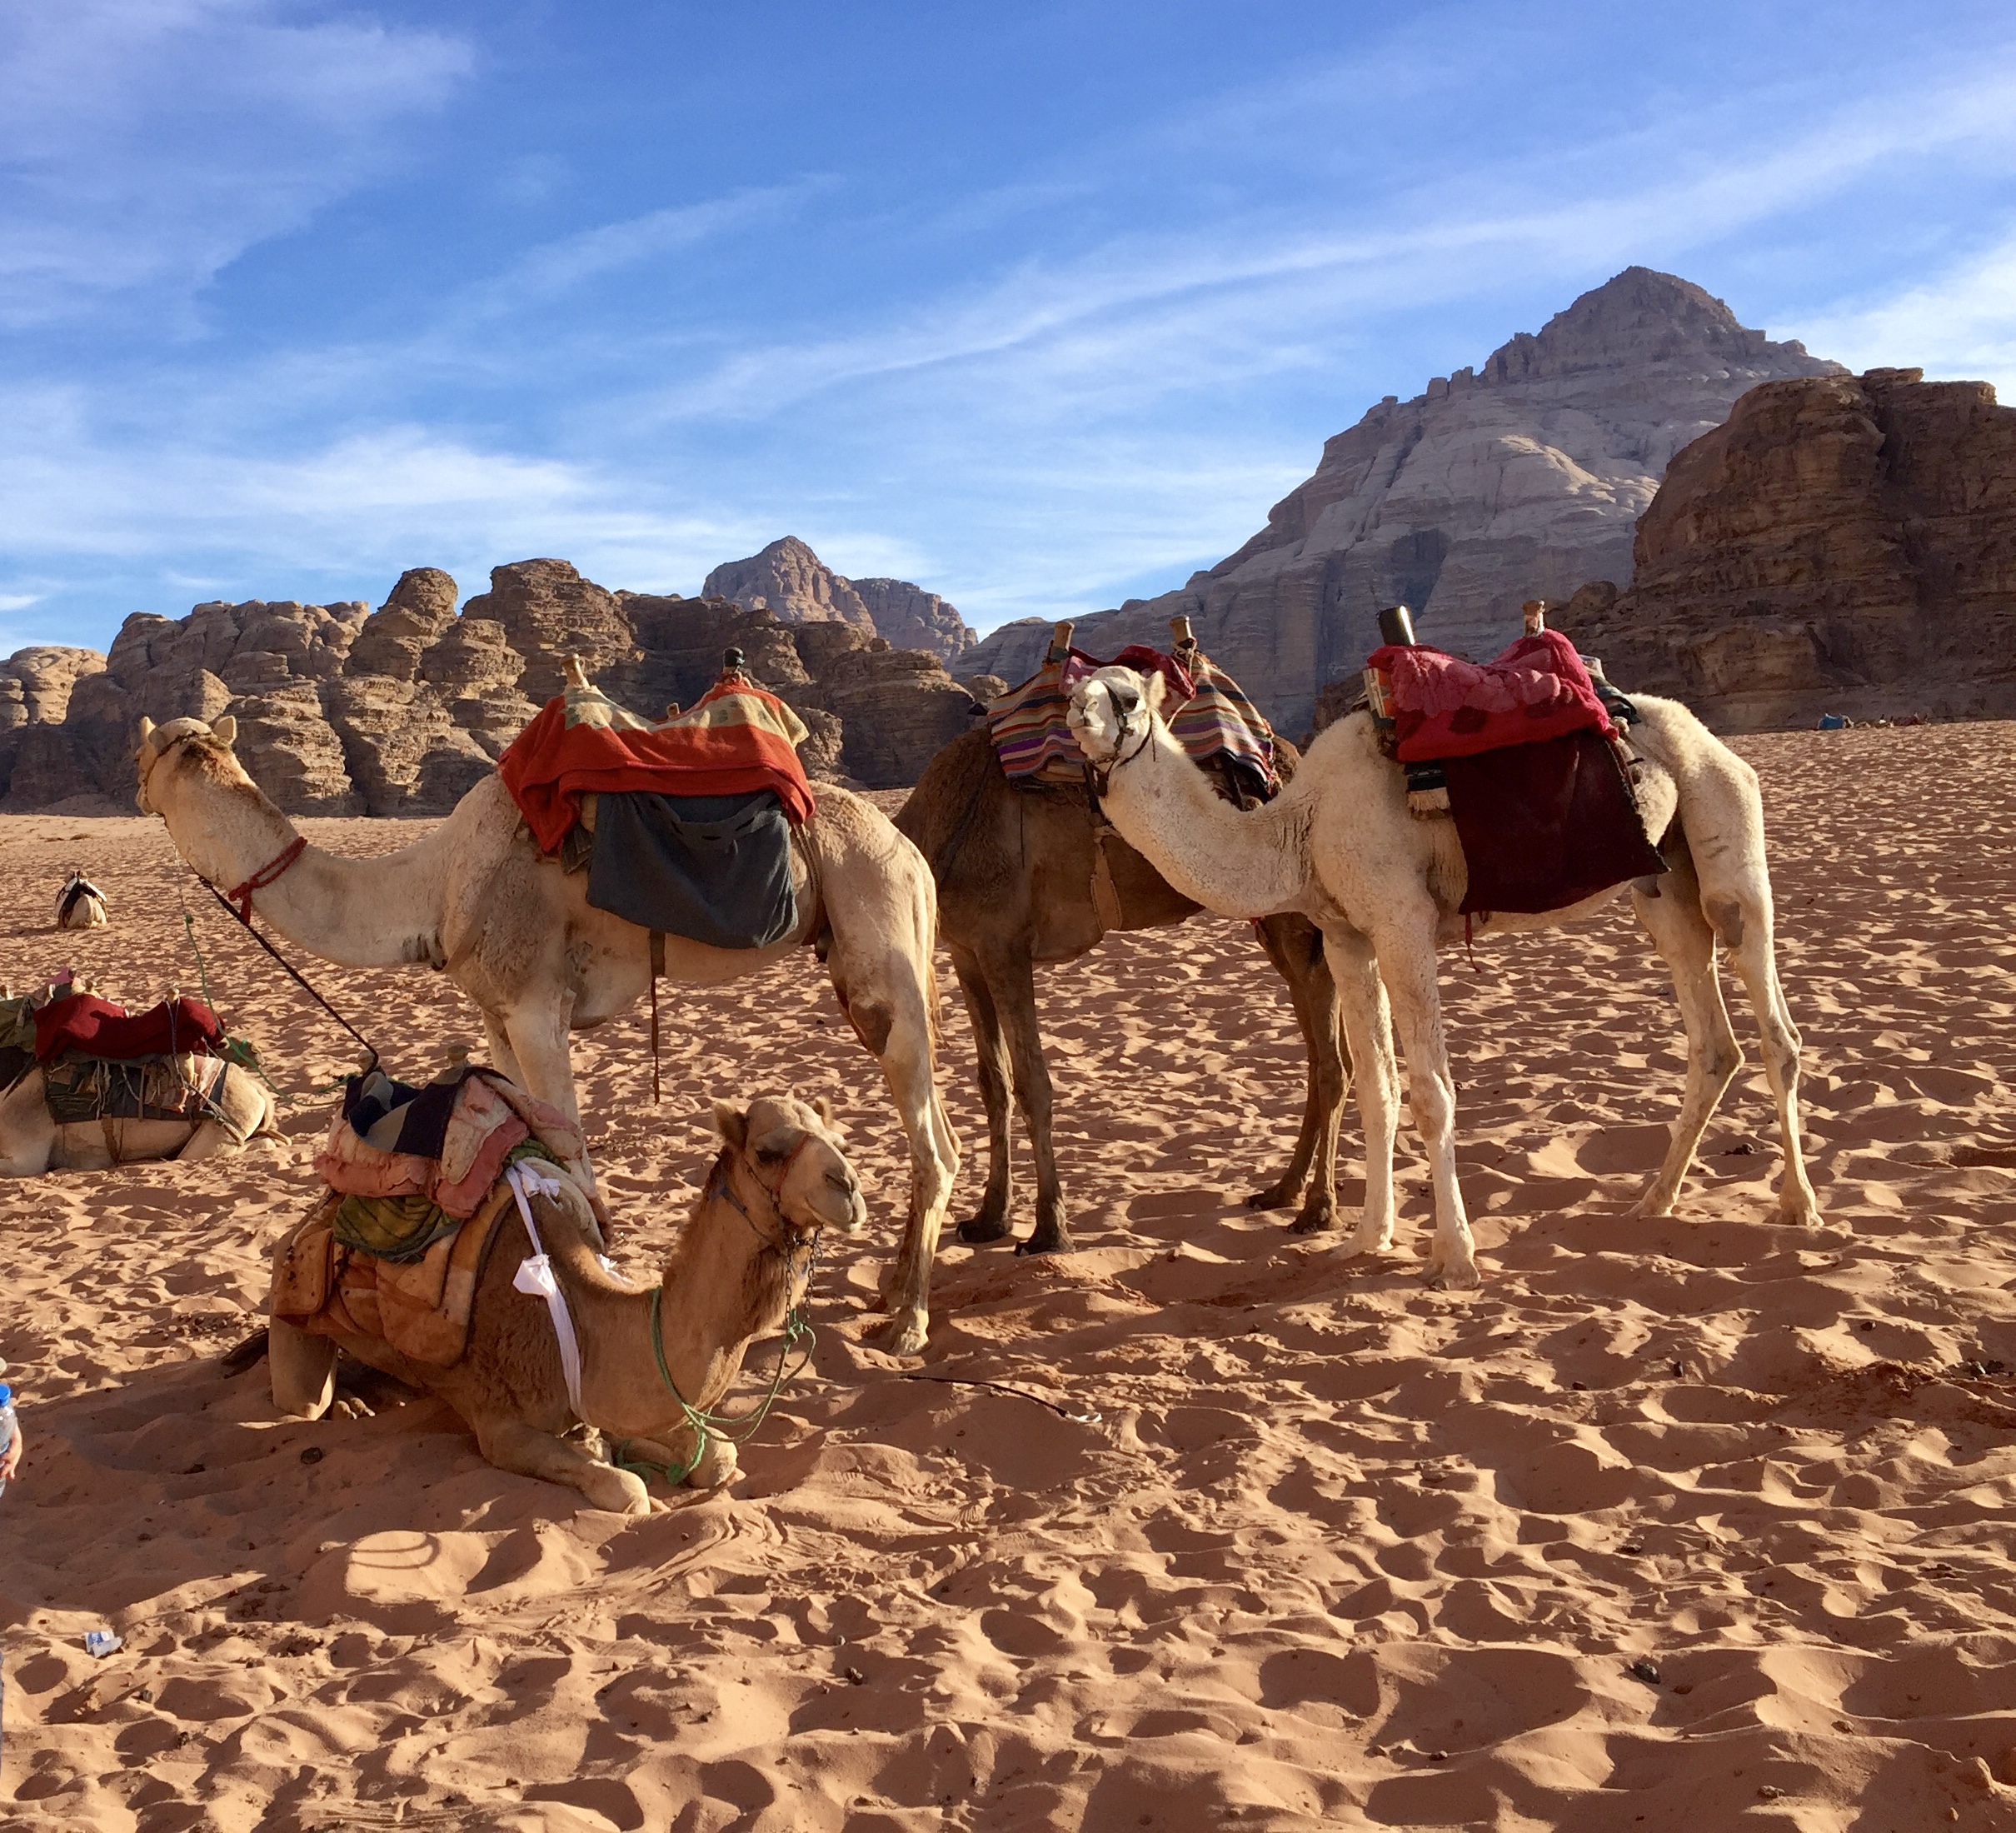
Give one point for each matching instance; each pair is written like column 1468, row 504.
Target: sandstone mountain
column 1843, row 544
column 345, row 710
column 796, row 587
column 1519, row 479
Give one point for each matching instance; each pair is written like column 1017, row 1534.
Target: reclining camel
column 1340, row 845
column 32, row 1142
column 476, row 898
column 80, row 904
column 652, row 1362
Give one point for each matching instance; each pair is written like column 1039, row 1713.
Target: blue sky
column 1041, row 306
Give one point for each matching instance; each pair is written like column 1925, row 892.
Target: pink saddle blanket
column 1445, row 707
column 97, row 1027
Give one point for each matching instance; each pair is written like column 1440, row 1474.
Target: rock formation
column 1843, row 544
column 343, row 710
column 796, row 587
column 1519, row 480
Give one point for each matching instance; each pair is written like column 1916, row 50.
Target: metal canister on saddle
column 1427, row 785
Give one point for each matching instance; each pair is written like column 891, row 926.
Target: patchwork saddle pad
column 1209, row 714
column 447, row 1141
column 97, row 1028
column 715, row 869
column 736, row 741
column 420, row 1305
column 1445, row 707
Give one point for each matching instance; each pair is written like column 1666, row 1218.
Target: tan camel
column 80, row 904
column 740, row 1264
column 1339, row 844
column 31, row 1142
column 474, row 897
column 1014, row 868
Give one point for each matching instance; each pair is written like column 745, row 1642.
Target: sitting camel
column 514, row 930
column 649, row 1369
column 1340, row 845
column 80, row 904
column 31, row 1141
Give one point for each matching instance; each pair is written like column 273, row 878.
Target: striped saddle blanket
column 1209, row 715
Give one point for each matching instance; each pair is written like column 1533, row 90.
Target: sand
column 1336, row 1551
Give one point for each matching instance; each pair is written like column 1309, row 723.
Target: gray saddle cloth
column 715, row 869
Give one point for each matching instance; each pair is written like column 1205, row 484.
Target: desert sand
column 1336, row 1551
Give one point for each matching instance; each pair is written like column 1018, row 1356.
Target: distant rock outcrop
column 1520, row 480
column 796, row 587
column 1843, row 544
column 344, row 711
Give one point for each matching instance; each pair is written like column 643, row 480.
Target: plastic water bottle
column 7, row 1427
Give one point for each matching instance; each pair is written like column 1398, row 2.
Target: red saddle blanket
column 1209, row 715
column 736, row 739
column 1445, row 707
column 97, row 1028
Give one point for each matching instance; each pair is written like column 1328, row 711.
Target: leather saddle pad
column 421, row 1308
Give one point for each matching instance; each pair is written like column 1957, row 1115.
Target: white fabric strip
column 536, row 1275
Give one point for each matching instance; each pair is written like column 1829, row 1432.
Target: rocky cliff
column 1843, row 544
column 1520, row 479
column 345, row 710
column 796, row 587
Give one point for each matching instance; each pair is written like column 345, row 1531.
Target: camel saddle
column 420, row 1307
column 78, row 1090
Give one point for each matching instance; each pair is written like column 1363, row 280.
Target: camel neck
column 357, row 912
column 1239, row 862
column 713, row 1302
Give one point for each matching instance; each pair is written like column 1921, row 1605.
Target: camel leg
column 1296, row 949
column 908, row 1068
column 989, row 1223
column 1354, row 973
column 1756, row 962
column 302, row 1367
column 207, row 1141
column 1680, row 932
column 1013, row 979
column 718, row 1462
column 1407, row 965
column 502, row 1057
column 512, row 1445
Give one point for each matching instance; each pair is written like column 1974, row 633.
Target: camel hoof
column 616, row 1492
column 1274, row 1196
column 719, row 1464
column 1454, row 1279
column 1059, row 1243
column 906, row 1335
column 977, row 1230
column 1316, row 1221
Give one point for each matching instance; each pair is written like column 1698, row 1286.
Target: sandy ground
column 1337, row 1552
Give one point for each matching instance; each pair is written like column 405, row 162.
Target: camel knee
column 719, row 1464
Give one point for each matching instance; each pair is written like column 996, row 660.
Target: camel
column 653, row 1361
column 475, row 898
column 80, row 904
column 1340, row 845
column 31, row 1142
column 1014, row 866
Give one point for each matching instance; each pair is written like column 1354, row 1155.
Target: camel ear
column 226, row 730
column 147, row 730
column 824, row 1108
column 1157, row 690
column 731, row 1124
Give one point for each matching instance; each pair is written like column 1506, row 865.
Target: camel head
column 180, row 746
column 1112, row 711
column 792, row 1150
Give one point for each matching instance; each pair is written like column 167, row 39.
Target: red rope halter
column 266, row 875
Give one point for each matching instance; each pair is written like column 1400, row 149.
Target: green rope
column 704, row 1422
column 237, row 1050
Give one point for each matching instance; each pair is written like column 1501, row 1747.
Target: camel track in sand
column 1339, row 1551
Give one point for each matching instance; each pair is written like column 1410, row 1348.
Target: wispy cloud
column 1959, row 324
column 149, row 142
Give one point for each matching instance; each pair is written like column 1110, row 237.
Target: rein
column 707, row 1423
column 269, row 873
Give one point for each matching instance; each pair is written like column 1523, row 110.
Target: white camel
column 31, row 1141
column 1339, row 845
column 80, row 904
column 476, row 898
